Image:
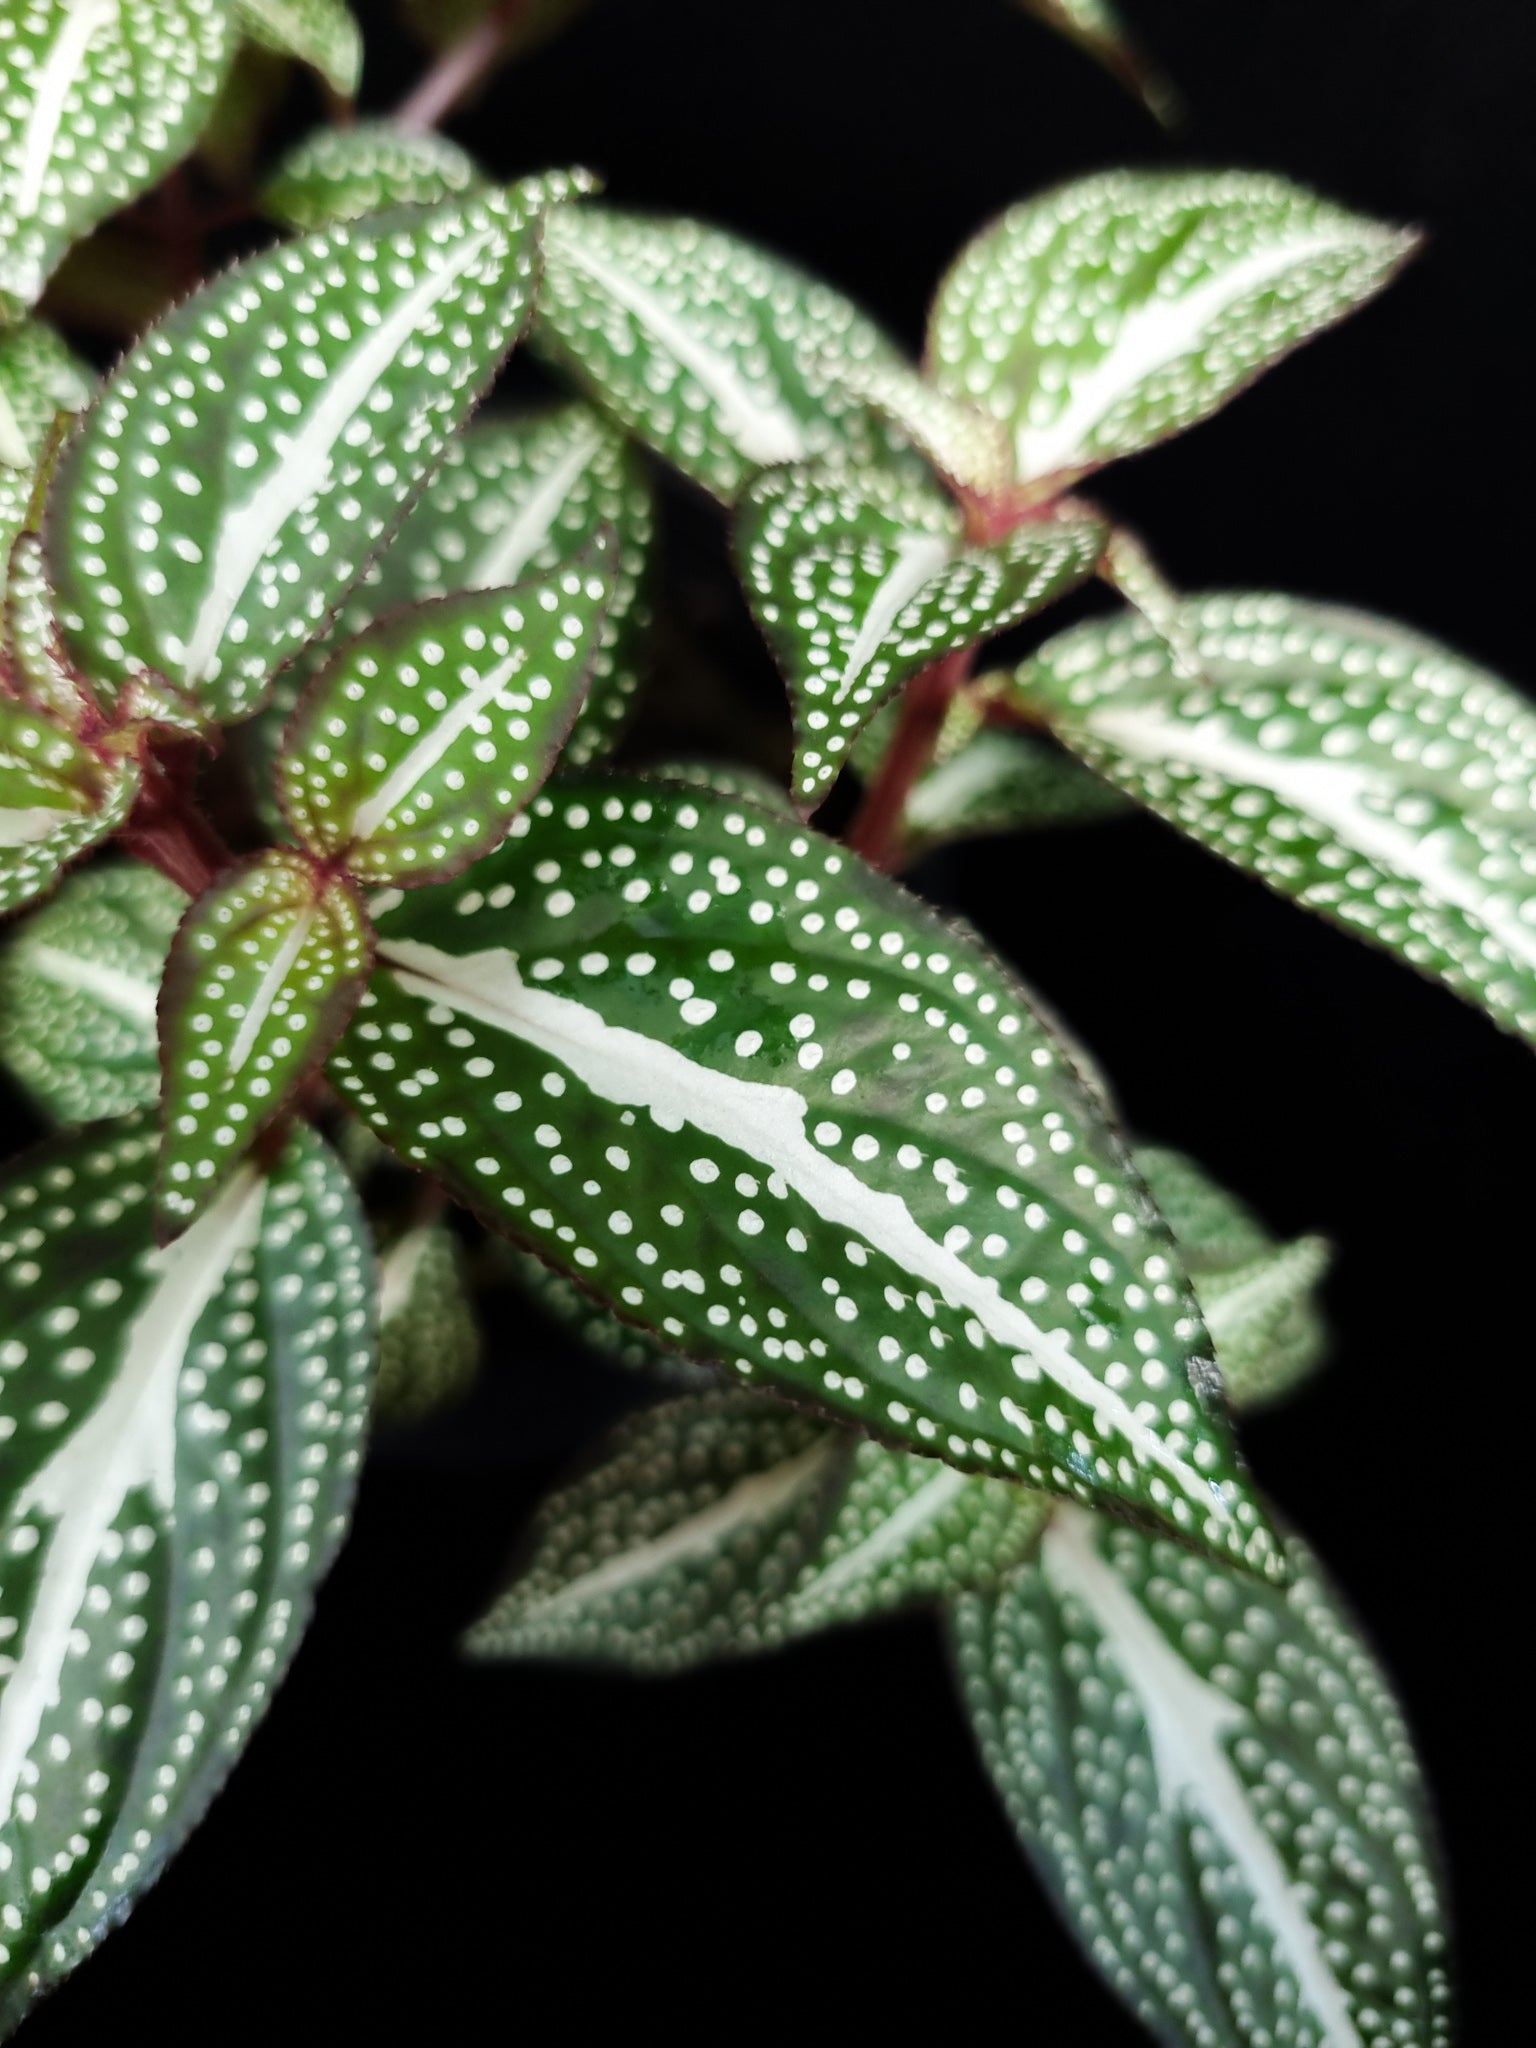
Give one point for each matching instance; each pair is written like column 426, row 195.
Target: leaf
column 1003, row 781
column 1355, row 767
column 965, row 443
column 429, row 1341
column 265, row 968
column 101, row 98
column 1123, row 308
column 318, row 386
column 39, row 379
column 78, row 982
column 410, row 755
column 758, row 1100
column 339, row 174
column 184, row 1432
column 319, row 33
column 57, row 797
column 1097, row 28
column 1216, row 1785
column 558, row 1297
column 717, row 355
column 860, row 582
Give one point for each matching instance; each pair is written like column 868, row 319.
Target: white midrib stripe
column 1331, row 793
column 510, row 552
column 891, row 1536
column 945, row 791
column 764, row 433
column 270, row 987
column 1154, row 335
column 398, row 1269
column 36, row 821
column 249, row 529
column 750, row 1500
column 111, row 987
column 59, row 71
column 127, row 1441
column 1187, row 1720
column 767, row 1122
column 429, row 750
column 919, row 556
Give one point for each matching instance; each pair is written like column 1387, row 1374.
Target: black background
column 414, row 1850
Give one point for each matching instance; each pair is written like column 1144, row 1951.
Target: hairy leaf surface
column 319, row 33
column 339, row 174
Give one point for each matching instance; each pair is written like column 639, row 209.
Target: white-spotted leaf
column 410, row 755
column 319, row 33
column 1216, row 1785
column 1122, row 308
column 429, row 1340
column 183, row 1428
column 339, row 174
column 78, row 982
column 759, row 1101
column 860, row 581
column 39, row 379
column 1352, row 765
column 57, row 797
column 265, row 969
column 571, row 1308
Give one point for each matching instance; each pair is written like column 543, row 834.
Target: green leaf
column 717, row 355
column 1003, row 781
column 1352, row 765
column 1122, row 308
column 861, row 581
column 1097, row 27
column 319, row 33
column 758, row 1100
column 184, row 1428
column 339, row 174
column 101, row 98
column 414, row 750
column 205, row 523
column 1215, row 1783
column 265, row 969
column 39, row 379
column 564, row 1303
column 78, row 982
column 429, row 1341
column 57, row 797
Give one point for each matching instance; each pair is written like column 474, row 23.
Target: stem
column 166, row 829
column 876, row 830
column 459, row 69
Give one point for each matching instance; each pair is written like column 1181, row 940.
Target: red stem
column 459, row 69
column 166, row 829
column 876, row 830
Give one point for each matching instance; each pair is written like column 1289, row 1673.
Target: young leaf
column 720, row 357
column 208, row 518
column 339, row 174
column 1215, row 1783
column 1096, row 27
column 1004, row 781
column 264, row 971
column 429, row 1341
column 319, row 33
column 101, row 97
column 758, row 1100
column 39, row 379
column 1352, row 765
column 411, row 754
column 184, row 1428
column 1122, row 308
column 78, row 982
column 861, row 581
column 57, row 797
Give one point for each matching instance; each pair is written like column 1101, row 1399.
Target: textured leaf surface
column 1004, row 781
column 411, row 754
column 39, row 379
column 57, row 797
column 757, row 1099
column 183, row 1429
column 429, row 1340
column 207, row 519
column 717, row 355
column 339, row 174
column 266, row 966
column 320, row 33
column 1353, row 766
column 78, row 982
column 1116, row 311
column 860, row 582
column 99, row 98
column 1215, row 1783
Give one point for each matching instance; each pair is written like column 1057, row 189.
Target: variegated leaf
column 714, row 353
column 314, row 389
column 57, row 797
column 78, row 982
column 860, row 581
column 1097, row 27
column 760, row 1101
column 1003, row 781
column 264, row 971
column 558, row 1297
column 1216, row 1784
column 411, row 754
column 33, row 664
column 339, row 174
column 429, row 1340
column 1122, row 308
column 967, row 444
column 1352, row 765
column 100, row 98
column 39, row 379
column 319, row 33
column 183, row 1431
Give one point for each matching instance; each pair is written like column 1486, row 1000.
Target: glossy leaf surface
column 57, row 797
column 339, row 174
column 319, row 33
column 1353, row 766
column 265, row 969
column 78, row 983
column 39, row 379
column 429, row 1340
column 760, row 1101
column 1120, row 309
column 183, row 1431
column 1216, row 1784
